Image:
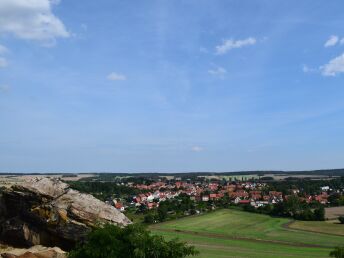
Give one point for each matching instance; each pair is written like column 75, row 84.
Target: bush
column 319, row 214
column 149, row 218
column 249, row 208
column 341, row 219
column 132, row 241
column 338, row 252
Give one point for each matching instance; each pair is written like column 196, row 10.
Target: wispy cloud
column 230, row 44
column 3, row 62
column 31, row 20
column 218, row 72
column 197, row 149
column 332, row 41
column 116, row 77
column 307, row 69
column 334, row 66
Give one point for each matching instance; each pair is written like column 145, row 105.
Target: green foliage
column 308, row 186
column 162, row 212
column 132, row 241
column 341, row 219
column 104, row 190
column 249, row 208
column 149, row 218
column 293, row 207
column 338, row 252
column 319, row 213
column 173, row 208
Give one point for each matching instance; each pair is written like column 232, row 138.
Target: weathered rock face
column 33, row 252
column 45, row 211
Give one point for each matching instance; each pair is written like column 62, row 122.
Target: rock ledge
column 47, row 212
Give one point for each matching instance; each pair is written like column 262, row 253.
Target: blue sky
column 196, row 85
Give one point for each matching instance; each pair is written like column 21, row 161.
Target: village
column 244, row 192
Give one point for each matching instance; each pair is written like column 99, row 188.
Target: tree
column 249, row 208
column 319, row 214
column 293, row 205
column 162, row 212
column 341, row 219
column 132, row 241
column 149, row 218
column 338, row 252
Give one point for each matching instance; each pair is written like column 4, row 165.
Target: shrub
column 338, row 252
column 149, row 218
column 319, row 214
column 132, row 241
column 341, row 219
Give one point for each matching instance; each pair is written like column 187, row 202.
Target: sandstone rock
column 33, row 252
column 46, row 211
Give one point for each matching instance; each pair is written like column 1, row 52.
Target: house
column 266, row 197
column 244, row 202
column 213, row 186
column 325, row 188
column 256, row 196
column 275, row 194
column 178, row 184
column 152, row 205
column 261, row 203
column 142, row 197
column 240, row 193
column 205, row 198
column 321, row 198
column 119, row 206
column 150, row 198
column 215, row 196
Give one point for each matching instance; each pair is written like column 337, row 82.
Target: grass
column 231, row 233
column 327, row 227
column 134, row 217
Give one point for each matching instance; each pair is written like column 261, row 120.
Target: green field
column 328, row 227
column 231, row 233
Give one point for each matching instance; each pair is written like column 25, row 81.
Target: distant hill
column 327, row 172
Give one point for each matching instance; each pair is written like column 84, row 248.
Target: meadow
column 232, row 233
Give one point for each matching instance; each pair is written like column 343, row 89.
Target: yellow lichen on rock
column 63, row 215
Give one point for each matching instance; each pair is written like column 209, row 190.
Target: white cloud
column 342, row 41
column 230, row 44
column 31, row 20
column 4, row 88
column 334, row 66
column 218, row 71
column 116, row 77
column 332, row 41
column 3, row 62
column 3, row 49
column 197, row 149
column 307, row 69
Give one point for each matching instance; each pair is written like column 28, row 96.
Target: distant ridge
column 328, row 172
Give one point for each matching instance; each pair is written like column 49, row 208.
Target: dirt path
column 222, row 236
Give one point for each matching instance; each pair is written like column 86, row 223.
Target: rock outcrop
column 47, row 212
column 33, row 252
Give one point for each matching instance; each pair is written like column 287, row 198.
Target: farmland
column 231, row 233
column 327, row 227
